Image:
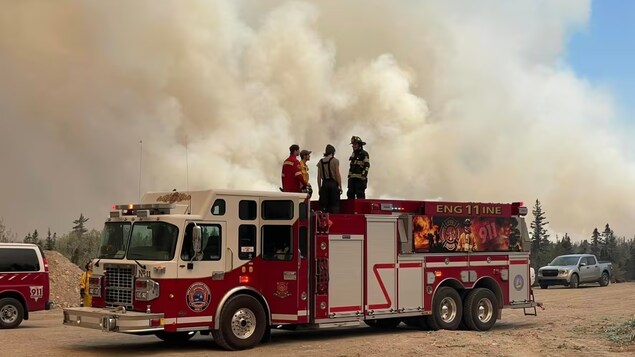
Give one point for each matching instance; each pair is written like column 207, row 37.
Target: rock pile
column 64, row 277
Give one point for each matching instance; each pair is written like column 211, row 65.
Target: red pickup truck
column 24, row 283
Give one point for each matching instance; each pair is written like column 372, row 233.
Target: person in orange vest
column 83, row 285
column 292, row 178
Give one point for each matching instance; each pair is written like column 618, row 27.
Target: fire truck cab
column 235, row 264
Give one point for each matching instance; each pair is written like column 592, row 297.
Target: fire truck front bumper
column 114, row 320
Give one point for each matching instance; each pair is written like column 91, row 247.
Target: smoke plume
column 100, row 100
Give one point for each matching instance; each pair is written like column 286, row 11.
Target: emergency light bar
column 138, row 206
column 389, row 207
column 141, row 209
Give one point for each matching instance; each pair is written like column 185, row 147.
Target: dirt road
column 574, row 323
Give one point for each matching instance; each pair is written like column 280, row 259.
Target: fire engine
column 236, row 264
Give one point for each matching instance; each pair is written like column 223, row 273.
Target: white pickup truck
column 574, row 269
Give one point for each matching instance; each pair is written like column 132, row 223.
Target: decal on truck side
column 198, row 297
column 37, row 292
column 519, row 282
column 282, row 289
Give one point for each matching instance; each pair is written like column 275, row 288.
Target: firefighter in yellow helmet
column 84, row 283
column 358, row 172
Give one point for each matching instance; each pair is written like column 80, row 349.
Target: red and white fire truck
column 238, row 263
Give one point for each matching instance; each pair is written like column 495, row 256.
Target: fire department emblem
column 174, row 197
column 198, row 297
column 519, row 282
column 282, row 289
column 450, row 234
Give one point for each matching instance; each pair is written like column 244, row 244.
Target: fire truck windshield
column 152, row 241
column 114, row 240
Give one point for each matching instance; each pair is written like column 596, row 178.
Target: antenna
column 187, row 178
column 140, row 161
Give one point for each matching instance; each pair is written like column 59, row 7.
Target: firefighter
column 292, row 179
column 83, row 285
column 358, row 172
column 329, row 181
column 466, row 240
column 305, row 156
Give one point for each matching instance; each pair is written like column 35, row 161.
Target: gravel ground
column 576, row 322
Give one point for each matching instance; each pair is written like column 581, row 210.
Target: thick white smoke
column 455, row 99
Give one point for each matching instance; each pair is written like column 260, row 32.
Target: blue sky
column 604, row 53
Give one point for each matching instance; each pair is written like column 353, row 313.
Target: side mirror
column 196, row 240
column 582, row 264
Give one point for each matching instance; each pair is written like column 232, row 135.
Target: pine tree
column 50, row 241
column 610, row 244
column 6, row 235
column 596, row 242
column 584, row 247
column 36, row 238
column 79, row 226
column 565, row 244
column 28, row 238
column 539, row 237
column 80, row 245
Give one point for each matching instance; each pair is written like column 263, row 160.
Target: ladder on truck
column 532, row 311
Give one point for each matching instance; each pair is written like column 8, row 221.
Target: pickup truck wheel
column 544, row 285
column 11, row 313
column 242, row 324
column 605, row 280
column 479, row 312
column 175, row 337
column 447, row 309
column 575, row 281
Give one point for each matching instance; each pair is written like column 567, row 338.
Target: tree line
column 604, row 244
column 79, row 245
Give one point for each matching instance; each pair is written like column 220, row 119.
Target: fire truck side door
column 280, row 255
column 198, row 272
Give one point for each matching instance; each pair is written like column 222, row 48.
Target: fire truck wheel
column 447, row 309
column 242, row 324
column 387, row 324
column 11, row 313
column 175, row 337
column 480, row 309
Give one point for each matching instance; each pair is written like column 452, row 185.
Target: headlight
column 146, row 289
column 94, row 285
column 564, row 271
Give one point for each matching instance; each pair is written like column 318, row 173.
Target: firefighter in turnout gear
column 358, row 172
column 292, row 178
column 83, row 285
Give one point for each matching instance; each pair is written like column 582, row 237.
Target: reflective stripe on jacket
column 292, row 179
column 360, row 164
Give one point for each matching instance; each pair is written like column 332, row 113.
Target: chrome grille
column 119, row 284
